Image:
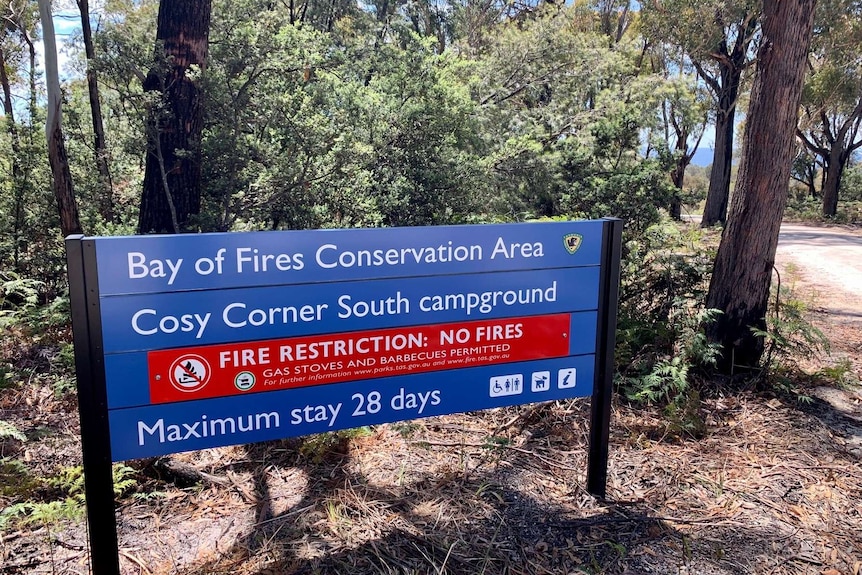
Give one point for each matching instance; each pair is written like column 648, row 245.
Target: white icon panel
column 504, row 385
column 566, row 378
column 540, row 381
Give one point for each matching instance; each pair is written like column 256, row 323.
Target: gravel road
column 827, row 259
column 824, row 266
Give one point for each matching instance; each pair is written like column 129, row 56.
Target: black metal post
column 600, row 420
column 93, row 405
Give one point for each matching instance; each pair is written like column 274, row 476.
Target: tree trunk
column 17, row 172
column 106, row 200
column 832, row 180
column 172, row 192
column 64, row 193
column 715, row 210
column 677, row 176
column 743, row 267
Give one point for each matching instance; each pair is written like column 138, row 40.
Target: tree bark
column 715, row 210
column 106, row 200
column 172, row 192
column 64, row 192
column 17, row 172
column 832, row 179
column 743, row 267
column 677, row 176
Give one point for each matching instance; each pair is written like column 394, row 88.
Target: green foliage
column 841, row 374
column 660, row 335
column 801, row 207
column 663, row 379
column 789, row 334
column 15, row 479
column 851, row 185
column 9, row 430
column 6, row 376
column 38, row 513
column 125, row 479
column 68, row 484
column 70, row 481
column 662, row 269
column 318, row 448
column 18, row 296
column 66, row 488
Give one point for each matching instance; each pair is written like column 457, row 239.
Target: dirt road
column 829, row 259
column 825, row 265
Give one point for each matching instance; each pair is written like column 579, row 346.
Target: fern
column 123, row 479
column 667, row 378
column 788, row 332
column 9, row 430
column 17, row 297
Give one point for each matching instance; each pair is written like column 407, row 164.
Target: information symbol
column 567, row 378
column 190, row 373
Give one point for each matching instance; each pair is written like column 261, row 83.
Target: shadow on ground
column 494, row 518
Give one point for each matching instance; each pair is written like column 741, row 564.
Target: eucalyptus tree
column 719, row 37
column 100, row 147
column 9, row 56
column 683, row 117
column 831, row 113
column 615, row 17
column 64, row 191
column 18, row 24
column 171, row 189
column 743, row 267
column 569, row 108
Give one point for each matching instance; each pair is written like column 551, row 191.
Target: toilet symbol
column 503, row 385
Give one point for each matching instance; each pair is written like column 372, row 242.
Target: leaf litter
column 769, row 489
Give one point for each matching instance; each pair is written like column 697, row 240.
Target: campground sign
column 186, row 342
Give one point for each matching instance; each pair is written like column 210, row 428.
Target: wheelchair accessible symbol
column 504, row 385
column 190, row 373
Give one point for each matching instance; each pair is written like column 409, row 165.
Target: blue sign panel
column 160, row 321
column 158, row 430
column 217, row 339
column 154, row 264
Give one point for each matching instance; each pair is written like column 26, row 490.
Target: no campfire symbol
column 190, row 373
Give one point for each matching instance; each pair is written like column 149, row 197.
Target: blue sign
column 158, row 430
column 218, row 339
column 171, row 263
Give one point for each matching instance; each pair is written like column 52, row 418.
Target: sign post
column 92, row 406
column 600, row 406
column 194, row 341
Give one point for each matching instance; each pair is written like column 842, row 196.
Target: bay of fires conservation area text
column 248, row 261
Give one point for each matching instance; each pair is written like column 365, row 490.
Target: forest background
column 330, row 113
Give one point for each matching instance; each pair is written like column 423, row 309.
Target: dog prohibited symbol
column 190, row 373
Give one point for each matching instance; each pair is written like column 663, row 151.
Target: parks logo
column 572, row 242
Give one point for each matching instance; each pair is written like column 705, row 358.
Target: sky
column 66, row 24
